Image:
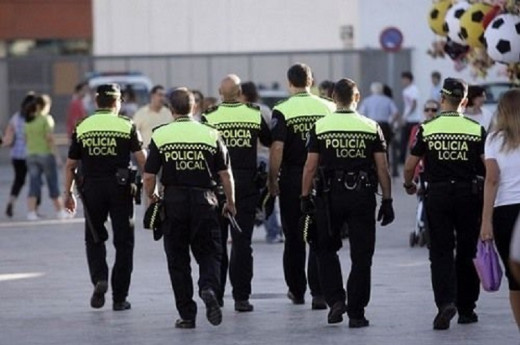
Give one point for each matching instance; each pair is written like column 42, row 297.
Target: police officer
column 191, row 156
column 240, row 125
column 451, row 146
column 291, row 122
column 347, row 154
column 103, row 143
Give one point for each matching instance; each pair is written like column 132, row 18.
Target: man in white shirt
column 411, row 115
column 152, row 115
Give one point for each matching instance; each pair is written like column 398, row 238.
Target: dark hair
column 387, row 91
column 328, row 86
column 407, row 75
column 473, row 92
column 181, row 101
column 129, row 94
column 452, row 100
column 436, row 74
column 29, row 109
column 249, row 91
column 80, row 86
column 28, row 100
column 198, row 93
column 300, row 75
column 344, row 91
column 105, row 101
column 156, row 88
column 43, row 100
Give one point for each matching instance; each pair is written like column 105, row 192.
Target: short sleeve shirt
column 508, row 162
column 346, row 141
column 451, row 146
column 190, row 154
column 103, row 142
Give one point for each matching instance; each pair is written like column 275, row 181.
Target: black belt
column 451, row 183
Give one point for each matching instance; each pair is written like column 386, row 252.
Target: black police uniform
column 190, row 155
column 345, row 192
column 103, row 143
column 240, row 125
column 291, row 121
column 451, row 146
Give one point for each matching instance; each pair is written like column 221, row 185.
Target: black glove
column 307, row 205
column 386, row 212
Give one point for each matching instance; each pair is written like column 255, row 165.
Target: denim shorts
column 39, row 165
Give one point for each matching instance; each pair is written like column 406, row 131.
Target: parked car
column 140, row 83
column 494, row 91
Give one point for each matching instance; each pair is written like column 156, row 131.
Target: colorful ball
column 471, row 24
column 452, row 22
column 502, row 38
column 437, row 15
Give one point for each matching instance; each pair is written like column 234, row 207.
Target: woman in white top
column 474, row 109
column 502, row 186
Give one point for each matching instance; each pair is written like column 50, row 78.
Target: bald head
column 230, row 88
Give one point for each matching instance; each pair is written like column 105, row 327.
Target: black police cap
column 109, row 90
column 153, row 219
column 454, row 87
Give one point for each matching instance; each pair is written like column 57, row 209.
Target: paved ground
column 45, row 291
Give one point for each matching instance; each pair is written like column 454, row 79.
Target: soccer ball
column 452, row 22
column 502, row 38
column 471, row 24
column 437, row 15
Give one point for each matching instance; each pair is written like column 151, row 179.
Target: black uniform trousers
column 103, row 197
column 357, row 209
column 191, row 222
column 294, row 246
column 453, row 214
column 240, row 261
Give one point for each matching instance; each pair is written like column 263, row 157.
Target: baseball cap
column 109, row 90
column 454, row 87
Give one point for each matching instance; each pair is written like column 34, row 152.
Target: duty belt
column 350, row 180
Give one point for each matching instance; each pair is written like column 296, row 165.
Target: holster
column 123, row 176
column 477, row 187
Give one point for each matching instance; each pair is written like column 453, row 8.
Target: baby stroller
column 420, row 236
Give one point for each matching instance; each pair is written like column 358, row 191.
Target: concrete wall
column 201, row 26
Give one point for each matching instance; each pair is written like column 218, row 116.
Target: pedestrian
column 502, row 187
column 241, row 126
column 153, row 114
column 475, row 110
column 451, row 147
column 410, row 116
column 103, row 143
column 381, row 109
column 14, row 137
column 291, row 121
column 41, row 158
column 347, row 155
column 198, row 108
column 326, row 88
column 435, row 92
column 191, row 156
column 76, row 110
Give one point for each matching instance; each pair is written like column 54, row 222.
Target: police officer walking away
column 347, row 154
column 291, row 121
column 451, row 146
column 103, row 143
column 240, row 125
column 191, row 156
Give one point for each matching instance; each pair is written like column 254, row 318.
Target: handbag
column 487, row 266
